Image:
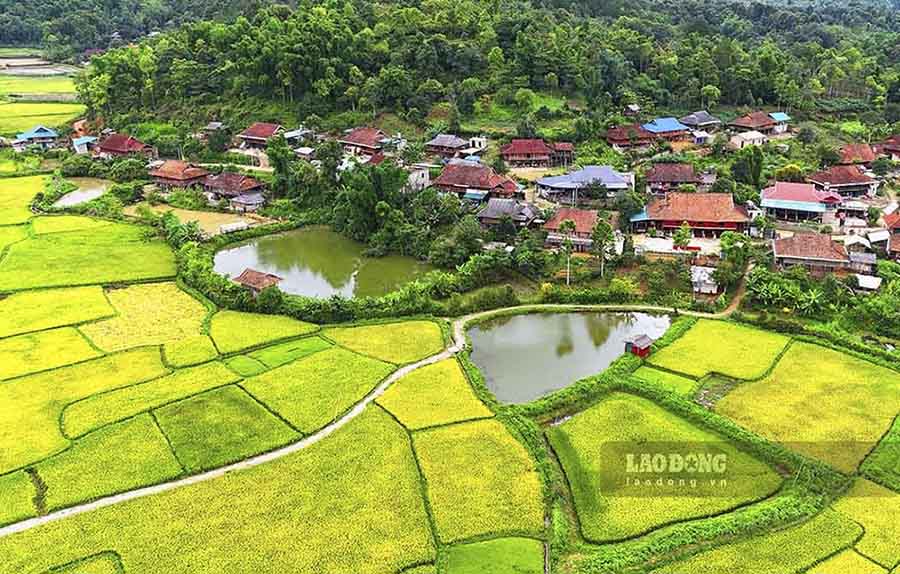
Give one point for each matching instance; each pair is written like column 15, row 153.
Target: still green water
column 523, row 357
column 88, row 188
column 317, row 262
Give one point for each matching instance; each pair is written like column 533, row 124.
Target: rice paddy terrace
column 145, row 430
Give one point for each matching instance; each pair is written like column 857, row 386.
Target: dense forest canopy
column 322, row 57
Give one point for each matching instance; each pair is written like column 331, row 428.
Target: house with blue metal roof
column 84, row 144
column 568, row 187
column 37, row 136
column 667, row 128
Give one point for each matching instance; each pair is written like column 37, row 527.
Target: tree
column 603, row 240
column 524, row 100
column 789, row 172
column 683, row 236
column 567, row 227
column 710, row 95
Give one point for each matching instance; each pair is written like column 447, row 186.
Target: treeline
column 353, row 55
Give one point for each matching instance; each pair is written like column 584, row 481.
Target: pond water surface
column 318, row 262
column 88, row 188
column 523, row 357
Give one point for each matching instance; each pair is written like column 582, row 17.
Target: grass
column 30, row 407
column 480, row 481
column 666, row 380
column 349, row 504
column 61, row 223
column 102, row 409
column 314, row 391
column 219, row 427
column 593, row 447
column 24, row 354
column 117, row 458
column 783, row 552
column 436, row 394
column 501, row 556
column 820, row 402
column 114, row 253
column 36, row 85
column 16, row 194
column 235, row 331
column 148, row 314
column 877, row 509
column 278, row 355
column 847, row 562
column 190, row 351
column 733, row 350
column 16, row 494
column 37, row 310
column 398, row 343
column 245, row 366
column 18, row 117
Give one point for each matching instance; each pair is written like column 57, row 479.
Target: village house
column 521, row 213
column 296, row 137
column 708, row 214
column 537, row 153
column 857, row 154
column 668, row 129
column 242, row 192
column 701, row 120
column 847, row 180
column 640, row 346
column 363, row 141
column 568, row 187
column 763, row 122
column 174, row 173
column 702, row 280
column 789, row 201
column 817, row 252
column 892, row 224
column 630, row 136
column 419, row 177
column 890, row 148
column 474, row 181
column 118, row 145
column 746, row 139
column 257, row 136
column 256, row 281
column 664, row 177
column 585, row 220
column 631, row 110
column 38, row 136
column 446, row 145
column 84, row 145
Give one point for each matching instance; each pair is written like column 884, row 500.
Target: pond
column 523, row 357
column 88, row 188
column 317, row 262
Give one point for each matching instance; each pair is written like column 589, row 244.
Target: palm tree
column 567, row 228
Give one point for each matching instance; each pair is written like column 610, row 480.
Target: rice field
column 820, row 402
column 16, row 194
column 670, row 381
column 36, row 85
column 60, row 223
column 616, row 499
column 234, row 331
column 876, row 509
column 24, row 354
column 397, row 343
column 38, row 310
column 501, row 556
column 18, row 117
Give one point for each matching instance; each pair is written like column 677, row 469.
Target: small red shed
column 639, row 345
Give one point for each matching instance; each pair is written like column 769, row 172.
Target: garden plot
column 877, row 509
column 351, row 503
column 397, row 343
column 16, row 194
column 235, row 331
column 501, row 556
column 24, row 354
column 433, row 395
column 783, row 552
column 733, row 350
column 116, row 252
column 30, row 407
column 820, row 402
column 311, row 392
column 38, row 310
column 149, row 314
column 480, row 481
column 593, row 447
column 219, row 427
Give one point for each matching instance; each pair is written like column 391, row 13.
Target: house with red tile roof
column 363, row 141
column 585, row 220
column 259, row 134
column 537, row 153
column 847, row 180
column 889, row 148
column 256, row 281
column 892, row 222
column 633, row 135
column 789, row 201
column 475, row 181
column 766, row 123
column 708, row 214
column 118, row 145
column 175, row 173
column 857, row 153
column 664, row 177
column 229, row 184
column 817, row 252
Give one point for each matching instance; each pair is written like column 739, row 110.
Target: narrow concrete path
column 459, row 341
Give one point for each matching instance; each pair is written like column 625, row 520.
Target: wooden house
column 174, row 173
column 585, row 220
column 256, row 281
column 640, row 346
column 257, row 136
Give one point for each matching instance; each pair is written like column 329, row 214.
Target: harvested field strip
column 38, row 310
column 102, row 409
column 41, row 351
column 245, row 366
column 397, row 343
column 234, row 331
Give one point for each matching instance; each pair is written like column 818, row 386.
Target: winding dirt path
column 459, row 341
